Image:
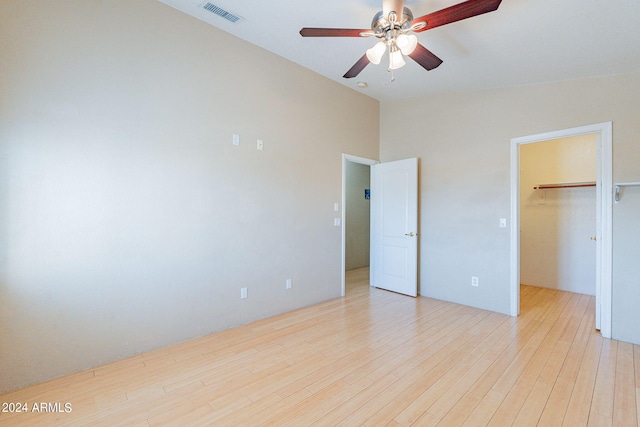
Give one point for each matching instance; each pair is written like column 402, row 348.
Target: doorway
column 558, row 214
column 603, row 135
column 355, row 250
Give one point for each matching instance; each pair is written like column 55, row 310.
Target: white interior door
column 394, row 226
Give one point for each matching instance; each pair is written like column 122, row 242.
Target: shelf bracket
column 617, row 189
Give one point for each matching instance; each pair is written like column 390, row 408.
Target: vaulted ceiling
column 523, row 42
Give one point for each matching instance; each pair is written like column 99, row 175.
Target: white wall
column 626, row 268
column 463, row 140
column 556, row 224
column 357, row 216
column 128, row 220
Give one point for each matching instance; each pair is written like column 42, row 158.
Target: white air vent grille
column 231, row 17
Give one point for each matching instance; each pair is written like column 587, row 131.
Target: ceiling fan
column 394, row 24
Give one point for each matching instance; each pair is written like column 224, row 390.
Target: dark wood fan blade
column 457, row 12
column 331, row 32
column 425, row 58
column 357, row 67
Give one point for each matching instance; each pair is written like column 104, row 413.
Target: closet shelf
column 565, row 185
column 622, row 184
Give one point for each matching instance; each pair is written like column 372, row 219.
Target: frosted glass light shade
column 407, row 43
column 396, row 60
column 375, row 53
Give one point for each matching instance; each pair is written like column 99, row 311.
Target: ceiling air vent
column 231, row 17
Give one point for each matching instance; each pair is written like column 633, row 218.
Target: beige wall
column 463, row 141
column 128, row 220
column 556, row 225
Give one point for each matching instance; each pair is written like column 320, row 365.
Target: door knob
column 410, row 234
column 593, row 238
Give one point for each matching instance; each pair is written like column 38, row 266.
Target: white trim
column 605, row 179
column 514, row 253
column 354, row 159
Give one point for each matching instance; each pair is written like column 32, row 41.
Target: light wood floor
column 372, row 358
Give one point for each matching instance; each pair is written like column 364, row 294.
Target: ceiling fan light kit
column 395, row 39
column 407, row 43
column 375, row 53
column 395, row 34
column 395, row 58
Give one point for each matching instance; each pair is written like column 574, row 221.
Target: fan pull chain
column 390, row 69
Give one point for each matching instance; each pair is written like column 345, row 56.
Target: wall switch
column 236, row 139
column 336, row 222
column 336, row 207
column 243, row 293
column 474, row 281
column 503, row 222
column 259, row 145
column 288, row 284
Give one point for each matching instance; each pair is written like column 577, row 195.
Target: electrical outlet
column 336, row 222
column 236, row 139
column 503, row 222
column 243, row 293
column 288, row 283
column 474, row 281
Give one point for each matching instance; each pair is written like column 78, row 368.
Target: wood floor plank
column 432, row 375
column 484, row 410
column 460, row 411
column 581, row 398
column 624, row 400
column 520, row 366
column 558, row 401
column 536, row 401
column 455, row 381
column 603, row 392
column 357, row 401
column 371, row 358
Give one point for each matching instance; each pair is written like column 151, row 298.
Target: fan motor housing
column 381, row 23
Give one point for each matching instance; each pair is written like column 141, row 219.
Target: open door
column 394, row 226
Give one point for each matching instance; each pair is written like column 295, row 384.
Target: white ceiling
column 523, row 42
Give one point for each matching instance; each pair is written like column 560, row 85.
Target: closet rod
column 565, row 185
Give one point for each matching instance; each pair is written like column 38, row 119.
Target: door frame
column 604, row 179
column 354, row 159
